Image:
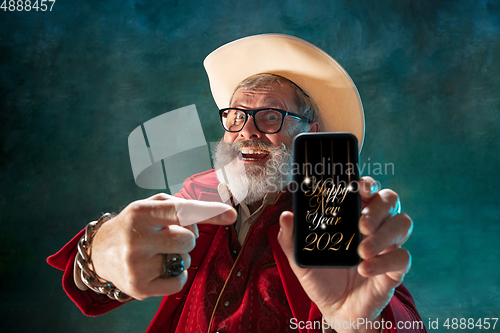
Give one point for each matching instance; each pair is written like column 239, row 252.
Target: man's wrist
column 337, row 324
column 88, row 274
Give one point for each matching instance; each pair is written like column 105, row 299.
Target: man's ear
column 314, row 127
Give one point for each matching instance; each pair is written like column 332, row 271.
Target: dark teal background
column 76, row 81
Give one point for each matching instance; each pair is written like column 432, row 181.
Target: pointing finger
column 185, row 212
column 160, row 196
column 190, row 212
column 163, row 197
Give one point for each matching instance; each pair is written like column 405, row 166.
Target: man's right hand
column 128, row 250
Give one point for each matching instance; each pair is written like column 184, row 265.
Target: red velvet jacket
column 203, row 187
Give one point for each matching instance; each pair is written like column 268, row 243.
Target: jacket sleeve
column 402, row 313
column 90, row 303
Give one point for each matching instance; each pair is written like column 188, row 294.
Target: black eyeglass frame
column 252, row 113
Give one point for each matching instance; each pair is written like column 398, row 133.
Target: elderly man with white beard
column 234, row 271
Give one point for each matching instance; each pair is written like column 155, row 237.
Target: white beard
column 250, row 183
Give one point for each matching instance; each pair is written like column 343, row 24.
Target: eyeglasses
column 267, row 121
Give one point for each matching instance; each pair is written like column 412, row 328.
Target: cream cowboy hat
column 318, row 74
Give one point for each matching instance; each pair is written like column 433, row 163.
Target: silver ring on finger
column 173, row 265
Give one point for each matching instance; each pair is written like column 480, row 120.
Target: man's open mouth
column 253, row 154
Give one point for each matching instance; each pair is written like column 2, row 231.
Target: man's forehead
column 275, row 95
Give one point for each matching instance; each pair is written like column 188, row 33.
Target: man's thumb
column 285, row 236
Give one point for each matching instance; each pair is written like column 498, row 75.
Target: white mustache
column 250, row 183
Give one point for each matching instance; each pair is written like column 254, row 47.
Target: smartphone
column 326, row 200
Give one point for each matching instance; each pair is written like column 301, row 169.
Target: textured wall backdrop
column 74, row 82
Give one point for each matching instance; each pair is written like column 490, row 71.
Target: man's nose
column 250, row 131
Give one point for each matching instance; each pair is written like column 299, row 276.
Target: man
column 241, row 275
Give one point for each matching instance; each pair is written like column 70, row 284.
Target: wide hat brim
column 317, row 73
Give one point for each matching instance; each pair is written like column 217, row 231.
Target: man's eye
column 240, row 116
column 271, row 116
